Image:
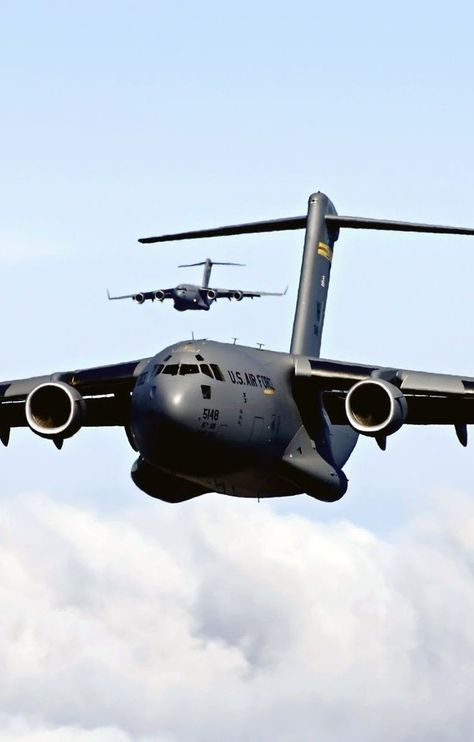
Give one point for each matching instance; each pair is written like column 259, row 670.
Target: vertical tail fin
column 206, row 276
column 322, row 224
column 314, row 277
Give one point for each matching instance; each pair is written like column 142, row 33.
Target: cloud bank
column 225, row 621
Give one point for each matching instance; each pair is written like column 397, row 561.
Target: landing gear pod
column 376, row 408
column 55, row 410
column 161, row 485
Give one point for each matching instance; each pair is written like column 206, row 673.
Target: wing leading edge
column 105, row 389
column 432, row 398
column 239, row 294
column 141, row 296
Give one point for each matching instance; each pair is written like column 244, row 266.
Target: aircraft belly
column 162, row 485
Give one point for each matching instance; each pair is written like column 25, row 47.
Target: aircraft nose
column 175, row 405
column 173, row 423
column 165, row 420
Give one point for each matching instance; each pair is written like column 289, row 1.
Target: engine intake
column 238, row 295
column 375, row 407
column 159, row 295
column 211, row 294
column 139, row 298
column 55, row 410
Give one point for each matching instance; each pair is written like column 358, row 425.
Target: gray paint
column 190, row 296
column 314, row 278
column 267, row 424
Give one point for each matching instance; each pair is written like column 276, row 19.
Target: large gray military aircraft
column 189, row 296
column 206, row 416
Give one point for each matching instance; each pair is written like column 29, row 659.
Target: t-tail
column 207, row 263
column 322, row 224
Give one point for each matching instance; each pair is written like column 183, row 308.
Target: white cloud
column 223, row 620
column 18, row 730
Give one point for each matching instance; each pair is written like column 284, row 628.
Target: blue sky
column 121, row 120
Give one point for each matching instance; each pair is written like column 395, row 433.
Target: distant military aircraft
column 206, row 416
column 189, row 296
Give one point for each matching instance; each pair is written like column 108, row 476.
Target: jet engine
column 159, row 295
column 375, row 407
column 238, row 295
column 211, row 294
column 139, row 298
column 55, row 410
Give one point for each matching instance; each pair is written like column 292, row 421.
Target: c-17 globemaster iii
column 190, row 296
column 207, row 416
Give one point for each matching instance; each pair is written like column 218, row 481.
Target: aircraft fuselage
column 224, row 417
column 187, row 296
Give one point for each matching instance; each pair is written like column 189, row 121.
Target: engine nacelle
column 159, row 295
column 375, row 407
column 211, row 294
column 238, row 295
column 55, row 410
column 139, row 298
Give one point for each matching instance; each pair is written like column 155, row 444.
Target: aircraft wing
column 238, row 294
column 104, row 389
column 141, row 296
column 432, row 399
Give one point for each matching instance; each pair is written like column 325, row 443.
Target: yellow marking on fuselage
column 325, row 251
column 269, row 391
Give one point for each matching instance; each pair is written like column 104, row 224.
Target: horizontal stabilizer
column 272, row 225
column 299, row 222
column 357, row 222
column 204, row 262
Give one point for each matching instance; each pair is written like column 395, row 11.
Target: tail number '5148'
column 209, row 414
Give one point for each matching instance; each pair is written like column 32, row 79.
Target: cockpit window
column 188, row 368
column 206, row 370
column 206, row 391
column 199, row 357
column 184, row 369
column 217, row 372
column 167, row 358
column 171, row 369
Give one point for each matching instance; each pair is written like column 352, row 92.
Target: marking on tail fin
column 325, row 251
